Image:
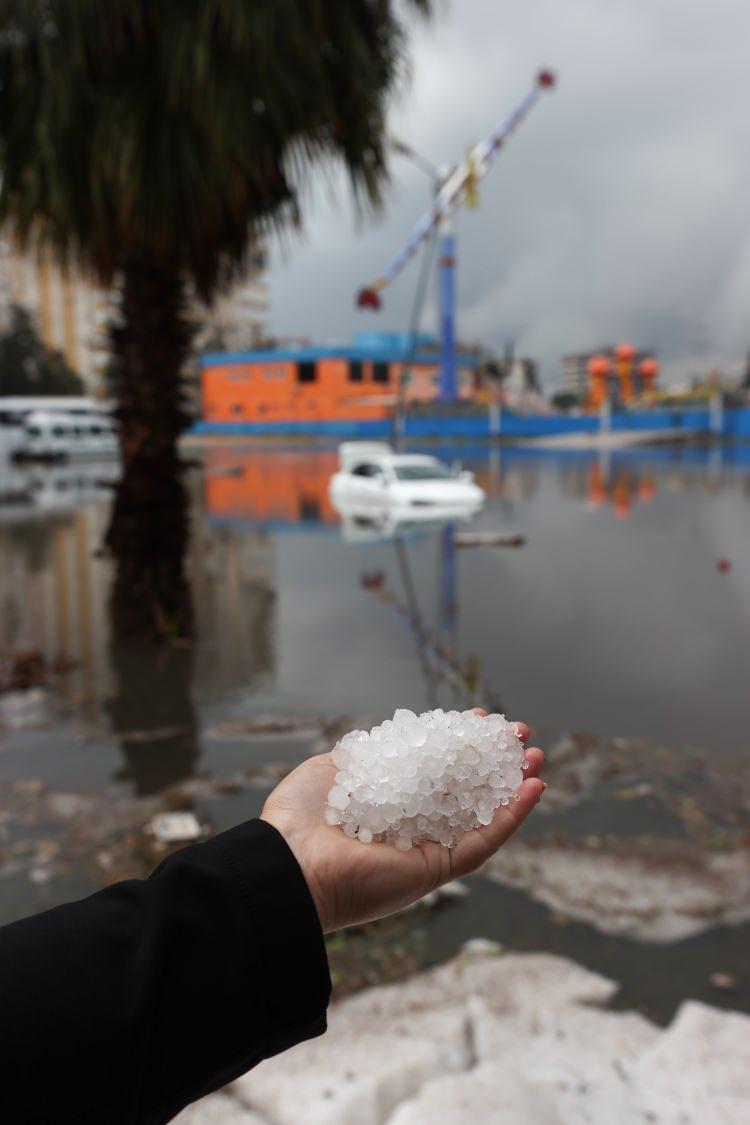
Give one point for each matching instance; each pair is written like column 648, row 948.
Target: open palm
column 353, row 882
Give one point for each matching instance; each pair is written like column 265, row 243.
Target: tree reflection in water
column 153, row 713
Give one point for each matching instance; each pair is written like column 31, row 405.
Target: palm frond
column 179, row 131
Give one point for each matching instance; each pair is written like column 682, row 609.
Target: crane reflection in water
column 437, row 648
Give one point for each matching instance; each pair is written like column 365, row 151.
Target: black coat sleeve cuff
column 288, row 936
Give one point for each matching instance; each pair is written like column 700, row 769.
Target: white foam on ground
column 658, row 894
column 510, row 1038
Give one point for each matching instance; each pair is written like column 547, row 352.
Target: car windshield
column 432, row 470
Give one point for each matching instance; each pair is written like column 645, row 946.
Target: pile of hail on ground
column 424, row 777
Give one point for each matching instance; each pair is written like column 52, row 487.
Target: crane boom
column 469, row 172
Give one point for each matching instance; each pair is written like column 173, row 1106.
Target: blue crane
column 457, row 187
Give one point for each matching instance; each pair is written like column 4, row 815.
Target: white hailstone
column 424, row 777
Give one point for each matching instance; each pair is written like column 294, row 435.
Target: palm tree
column 153, row 142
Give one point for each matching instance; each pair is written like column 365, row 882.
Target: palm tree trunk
column 149, row 528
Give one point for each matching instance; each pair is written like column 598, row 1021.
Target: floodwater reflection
column 615, row 604
column 620, row 626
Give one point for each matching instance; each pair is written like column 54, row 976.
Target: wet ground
column 624, row 617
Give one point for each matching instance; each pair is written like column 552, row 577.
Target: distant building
column 360, row 381
column 72, row 315
column 520, row 388
column 574, row 378
column 574, row 374
column 239, row 318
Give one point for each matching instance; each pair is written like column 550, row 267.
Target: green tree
column 153, row 142
column 28, row 367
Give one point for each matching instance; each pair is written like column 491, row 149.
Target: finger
column 535, row 758
column 480, row 843
column 510, row 817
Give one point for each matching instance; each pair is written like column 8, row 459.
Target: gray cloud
column 619, row 210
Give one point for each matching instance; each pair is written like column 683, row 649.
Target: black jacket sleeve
column 126, row 1006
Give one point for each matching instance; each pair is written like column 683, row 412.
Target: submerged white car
column 371, row 474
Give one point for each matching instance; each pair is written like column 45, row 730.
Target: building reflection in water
column 279, row 487
column 53, row 595
column 619, row 487
column 270, row 486
column 54, row 590
column 233, row 575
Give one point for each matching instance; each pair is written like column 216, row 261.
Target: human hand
column 352, row 882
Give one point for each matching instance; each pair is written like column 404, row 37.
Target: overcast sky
column 619, row 210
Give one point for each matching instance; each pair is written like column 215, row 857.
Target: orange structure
column 599, row 367
column 648, row 370
column 624, row 357
column 362, row 382
column 631, row 378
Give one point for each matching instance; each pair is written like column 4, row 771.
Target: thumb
column 479, row 844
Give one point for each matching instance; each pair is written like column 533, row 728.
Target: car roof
column 413, row 459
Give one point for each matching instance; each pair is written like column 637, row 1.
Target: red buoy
column 723, row 565
column 546, row 78
column 368, row 299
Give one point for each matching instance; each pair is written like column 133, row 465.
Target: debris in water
column 724, row 981
column 176, row 827
column 488, row 539
column 481, row 947
column 25, row 709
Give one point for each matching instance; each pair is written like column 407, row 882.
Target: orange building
column 359, row 382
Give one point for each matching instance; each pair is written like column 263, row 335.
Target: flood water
column 624, row 617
